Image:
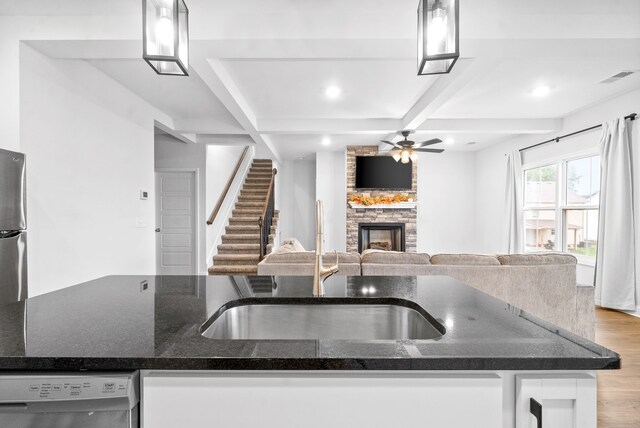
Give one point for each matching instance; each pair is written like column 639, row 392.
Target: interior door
column 176, row 223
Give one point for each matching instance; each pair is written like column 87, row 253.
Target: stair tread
column 226, row 270
column 236, row 257
column 239, row 237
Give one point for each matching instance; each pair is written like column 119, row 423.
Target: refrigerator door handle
column 13, row 265
column 6, row 234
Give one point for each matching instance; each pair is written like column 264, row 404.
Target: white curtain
column 615, row 260
column 513, row 198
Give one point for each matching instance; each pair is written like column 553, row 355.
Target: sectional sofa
column 542, row 284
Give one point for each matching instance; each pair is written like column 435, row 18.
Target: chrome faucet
column 320, row 273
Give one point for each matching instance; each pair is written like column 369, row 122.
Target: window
column 561, row 202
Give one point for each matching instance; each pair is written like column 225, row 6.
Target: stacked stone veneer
column 355, row 216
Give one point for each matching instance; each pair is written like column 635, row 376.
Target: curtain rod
column 632, row 116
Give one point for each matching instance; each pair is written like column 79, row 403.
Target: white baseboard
column 635, row 313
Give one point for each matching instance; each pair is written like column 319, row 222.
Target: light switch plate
column 141, row 222
column 144, row 194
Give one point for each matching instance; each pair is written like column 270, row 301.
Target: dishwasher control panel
column 25, row 388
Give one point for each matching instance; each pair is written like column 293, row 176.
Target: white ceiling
column 179, row 97
column 302, row 146
column 259, row 68
column 506, row 90
column 295, row 88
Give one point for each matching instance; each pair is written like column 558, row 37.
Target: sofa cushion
column 308, row 257
column 394, row 257
column 537, row 259
column 464, row 259
column 290, row 245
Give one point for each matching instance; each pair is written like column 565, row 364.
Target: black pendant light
column 166, row 36
column 438, row 38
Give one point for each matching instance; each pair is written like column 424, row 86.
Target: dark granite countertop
column 154, row 322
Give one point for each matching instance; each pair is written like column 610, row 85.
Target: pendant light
column 165, row 36
column 438, row 36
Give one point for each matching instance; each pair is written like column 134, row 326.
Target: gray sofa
column 542, row 284
column 302, row 263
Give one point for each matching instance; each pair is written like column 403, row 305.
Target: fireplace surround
column 381, row 236
column 357, row 215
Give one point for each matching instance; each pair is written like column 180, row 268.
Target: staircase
column 239, row 253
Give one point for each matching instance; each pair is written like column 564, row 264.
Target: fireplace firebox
column 381, row 236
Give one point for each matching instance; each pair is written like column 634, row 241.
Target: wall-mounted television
column 382, row 173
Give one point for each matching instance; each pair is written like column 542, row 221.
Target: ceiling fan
column 405, row 150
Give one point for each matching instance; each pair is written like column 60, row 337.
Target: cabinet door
column 567, row 401
column 313, row 400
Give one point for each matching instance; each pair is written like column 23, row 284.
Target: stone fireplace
column 387, row 216
column 381, row 236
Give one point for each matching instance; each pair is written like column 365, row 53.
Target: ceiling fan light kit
column 407, row 150
column 438, row 36
column 165, row 36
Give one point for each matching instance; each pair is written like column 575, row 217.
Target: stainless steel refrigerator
column 13, row 227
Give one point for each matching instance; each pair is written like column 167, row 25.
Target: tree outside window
column 564, row 193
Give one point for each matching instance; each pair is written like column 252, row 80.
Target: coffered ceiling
column 259, row 69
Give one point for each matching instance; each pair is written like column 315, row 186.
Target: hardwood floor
column 619, row 390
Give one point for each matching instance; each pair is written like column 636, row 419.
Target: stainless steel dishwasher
column 69, row 400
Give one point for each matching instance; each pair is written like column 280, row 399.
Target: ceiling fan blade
column 430, row 150
column 428, row 142
column 388, row 142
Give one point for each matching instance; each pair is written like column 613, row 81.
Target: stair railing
column 222, row 197
column 266, row 218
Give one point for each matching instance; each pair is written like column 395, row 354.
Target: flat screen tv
column 383, row 173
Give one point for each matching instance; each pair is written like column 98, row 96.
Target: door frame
column 196, row 176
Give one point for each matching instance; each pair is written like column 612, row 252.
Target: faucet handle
column 335, row 267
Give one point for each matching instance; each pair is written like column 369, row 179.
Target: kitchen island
column 486, row 368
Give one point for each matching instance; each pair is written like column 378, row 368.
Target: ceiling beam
column 347, row 49
column 327, row 126
column 380, row 126
column 216, row 77
column 185, row 138
column 224, row 140
column 447, row 85
column 208, row 126
column 443, row 89
column 491, row 126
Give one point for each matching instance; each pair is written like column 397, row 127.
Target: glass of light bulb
column 404, row 156
column 438, row 36
column 166, row 36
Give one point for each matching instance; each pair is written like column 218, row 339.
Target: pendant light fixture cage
column 166, row 36
column 438, row 36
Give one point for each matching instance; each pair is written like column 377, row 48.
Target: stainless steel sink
column 317, row 319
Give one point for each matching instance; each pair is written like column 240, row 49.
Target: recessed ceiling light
column 332, row 92
column 326, row 141
column 449, row 140
column 540, row 91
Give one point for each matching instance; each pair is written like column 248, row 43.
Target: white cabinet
column 568, row 401
column 367, row 399
column 320, row 400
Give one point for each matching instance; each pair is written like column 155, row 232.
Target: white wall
column 446, row 195
column 220, row 163
column 89, row 147
column 297, row 209
column 13, row 29
column 331, row 188
column 171, row 153
column 446, row 198
column 491, row 169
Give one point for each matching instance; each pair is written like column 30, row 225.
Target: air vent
column 617, row 77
